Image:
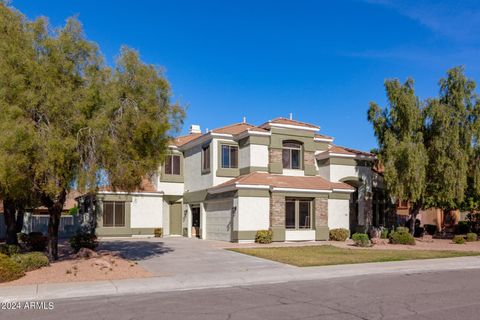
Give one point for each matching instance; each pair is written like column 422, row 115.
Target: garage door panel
column 219, row 220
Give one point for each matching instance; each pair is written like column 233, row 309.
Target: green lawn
column 309, row 256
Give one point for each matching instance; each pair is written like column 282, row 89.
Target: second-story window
column 206, row 158
column 291, row 155
column 229, row 156
column 172, row 165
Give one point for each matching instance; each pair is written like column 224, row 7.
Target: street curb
column 228, row 279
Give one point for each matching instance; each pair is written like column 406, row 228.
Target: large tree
column 86, row 118
column 449, row 139
column 399, row 132
column 17, row 138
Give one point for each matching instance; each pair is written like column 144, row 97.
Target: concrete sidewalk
column 191, row 281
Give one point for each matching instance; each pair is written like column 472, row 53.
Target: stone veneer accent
column 309, row 158
column 321, row 212
column 321, row 219
column 275, row 155
column 277, row 217
column 277, row 210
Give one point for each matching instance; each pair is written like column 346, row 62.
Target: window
column 172, row 165
column 206, row 158
column 291, row 155
column 229, row 156
column 298, row 214
column 113, row 214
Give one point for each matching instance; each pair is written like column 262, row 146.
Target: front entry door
column 176, row 218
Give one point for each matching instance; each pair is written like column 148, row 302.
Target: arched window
column 292, row 155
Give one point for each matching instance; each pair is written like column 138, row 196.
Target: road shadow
column 136, row 250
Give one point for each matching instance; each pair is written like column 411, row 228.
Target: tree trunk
column 55, row 208
column 20, row 216
column 10, row 221
column 414, row 211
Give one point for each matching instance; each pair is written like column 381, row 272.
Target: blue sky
column 322, row 61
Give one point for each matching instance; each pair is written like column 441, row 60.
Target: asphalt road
column 436, row 295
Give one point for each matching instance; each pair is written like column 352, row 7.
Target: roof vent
column 195, row 128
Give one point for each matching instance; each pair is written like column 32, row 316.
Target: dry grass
column 309, row 256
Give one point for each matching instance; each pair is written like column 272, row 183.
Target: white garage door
column 219, row 220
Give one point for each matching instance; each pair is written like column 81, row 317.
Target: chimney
column 195, row 128
column 244, row 119
column 291, row 116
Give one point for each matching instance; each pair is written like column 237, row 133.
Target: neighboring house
column 230, row 182
column 36, row 219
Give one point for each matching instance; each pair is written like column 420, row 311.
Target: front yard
column 309, row 256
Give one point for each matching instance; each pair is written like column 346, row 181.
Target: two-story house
column 228, row 183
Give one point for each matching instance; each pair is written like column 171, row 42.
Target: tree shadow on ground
column 136, row 250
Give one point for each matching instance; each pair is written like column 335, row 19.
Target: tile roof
column 346, row 151
column 322, row 136
column 281, row 181
column 180, row 141
column 146, row 185
column 235, row 128
column 286, row 121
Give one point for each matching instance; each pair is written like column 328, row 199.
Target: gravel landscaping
column 103, row 265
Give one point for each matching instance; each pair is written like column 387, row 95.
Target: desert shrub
column 361, row 239
column 458, row 239
column 9, row 249
column 401, row 237
column 264, row 236
column 31, row 261
column 384, row 234
column 158, row 232
column 83, row 240
column 37, row 241
column 402, row 229
column 471, row 237
column 340, row 234
column 9, row 269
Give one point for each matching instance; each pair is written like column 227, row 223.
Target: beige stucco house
column 228, row 183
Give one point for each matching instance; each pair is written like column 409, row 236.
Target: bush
column 158, row 232
column 384, row 234
column 83, row 240
column 37, row 241
column 361, row 239
column 402, row 229
column 401, row 237
column 264, row 236
column 471, row 237
column 9, row 269
column 458, row 239
column 9, row 249
column 340, row 234
column 31, row 261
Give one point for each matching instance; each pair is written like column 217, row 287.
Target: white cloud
column 457, row 20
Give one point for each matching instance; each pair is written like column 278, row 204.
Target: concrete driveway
column 172, row 256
